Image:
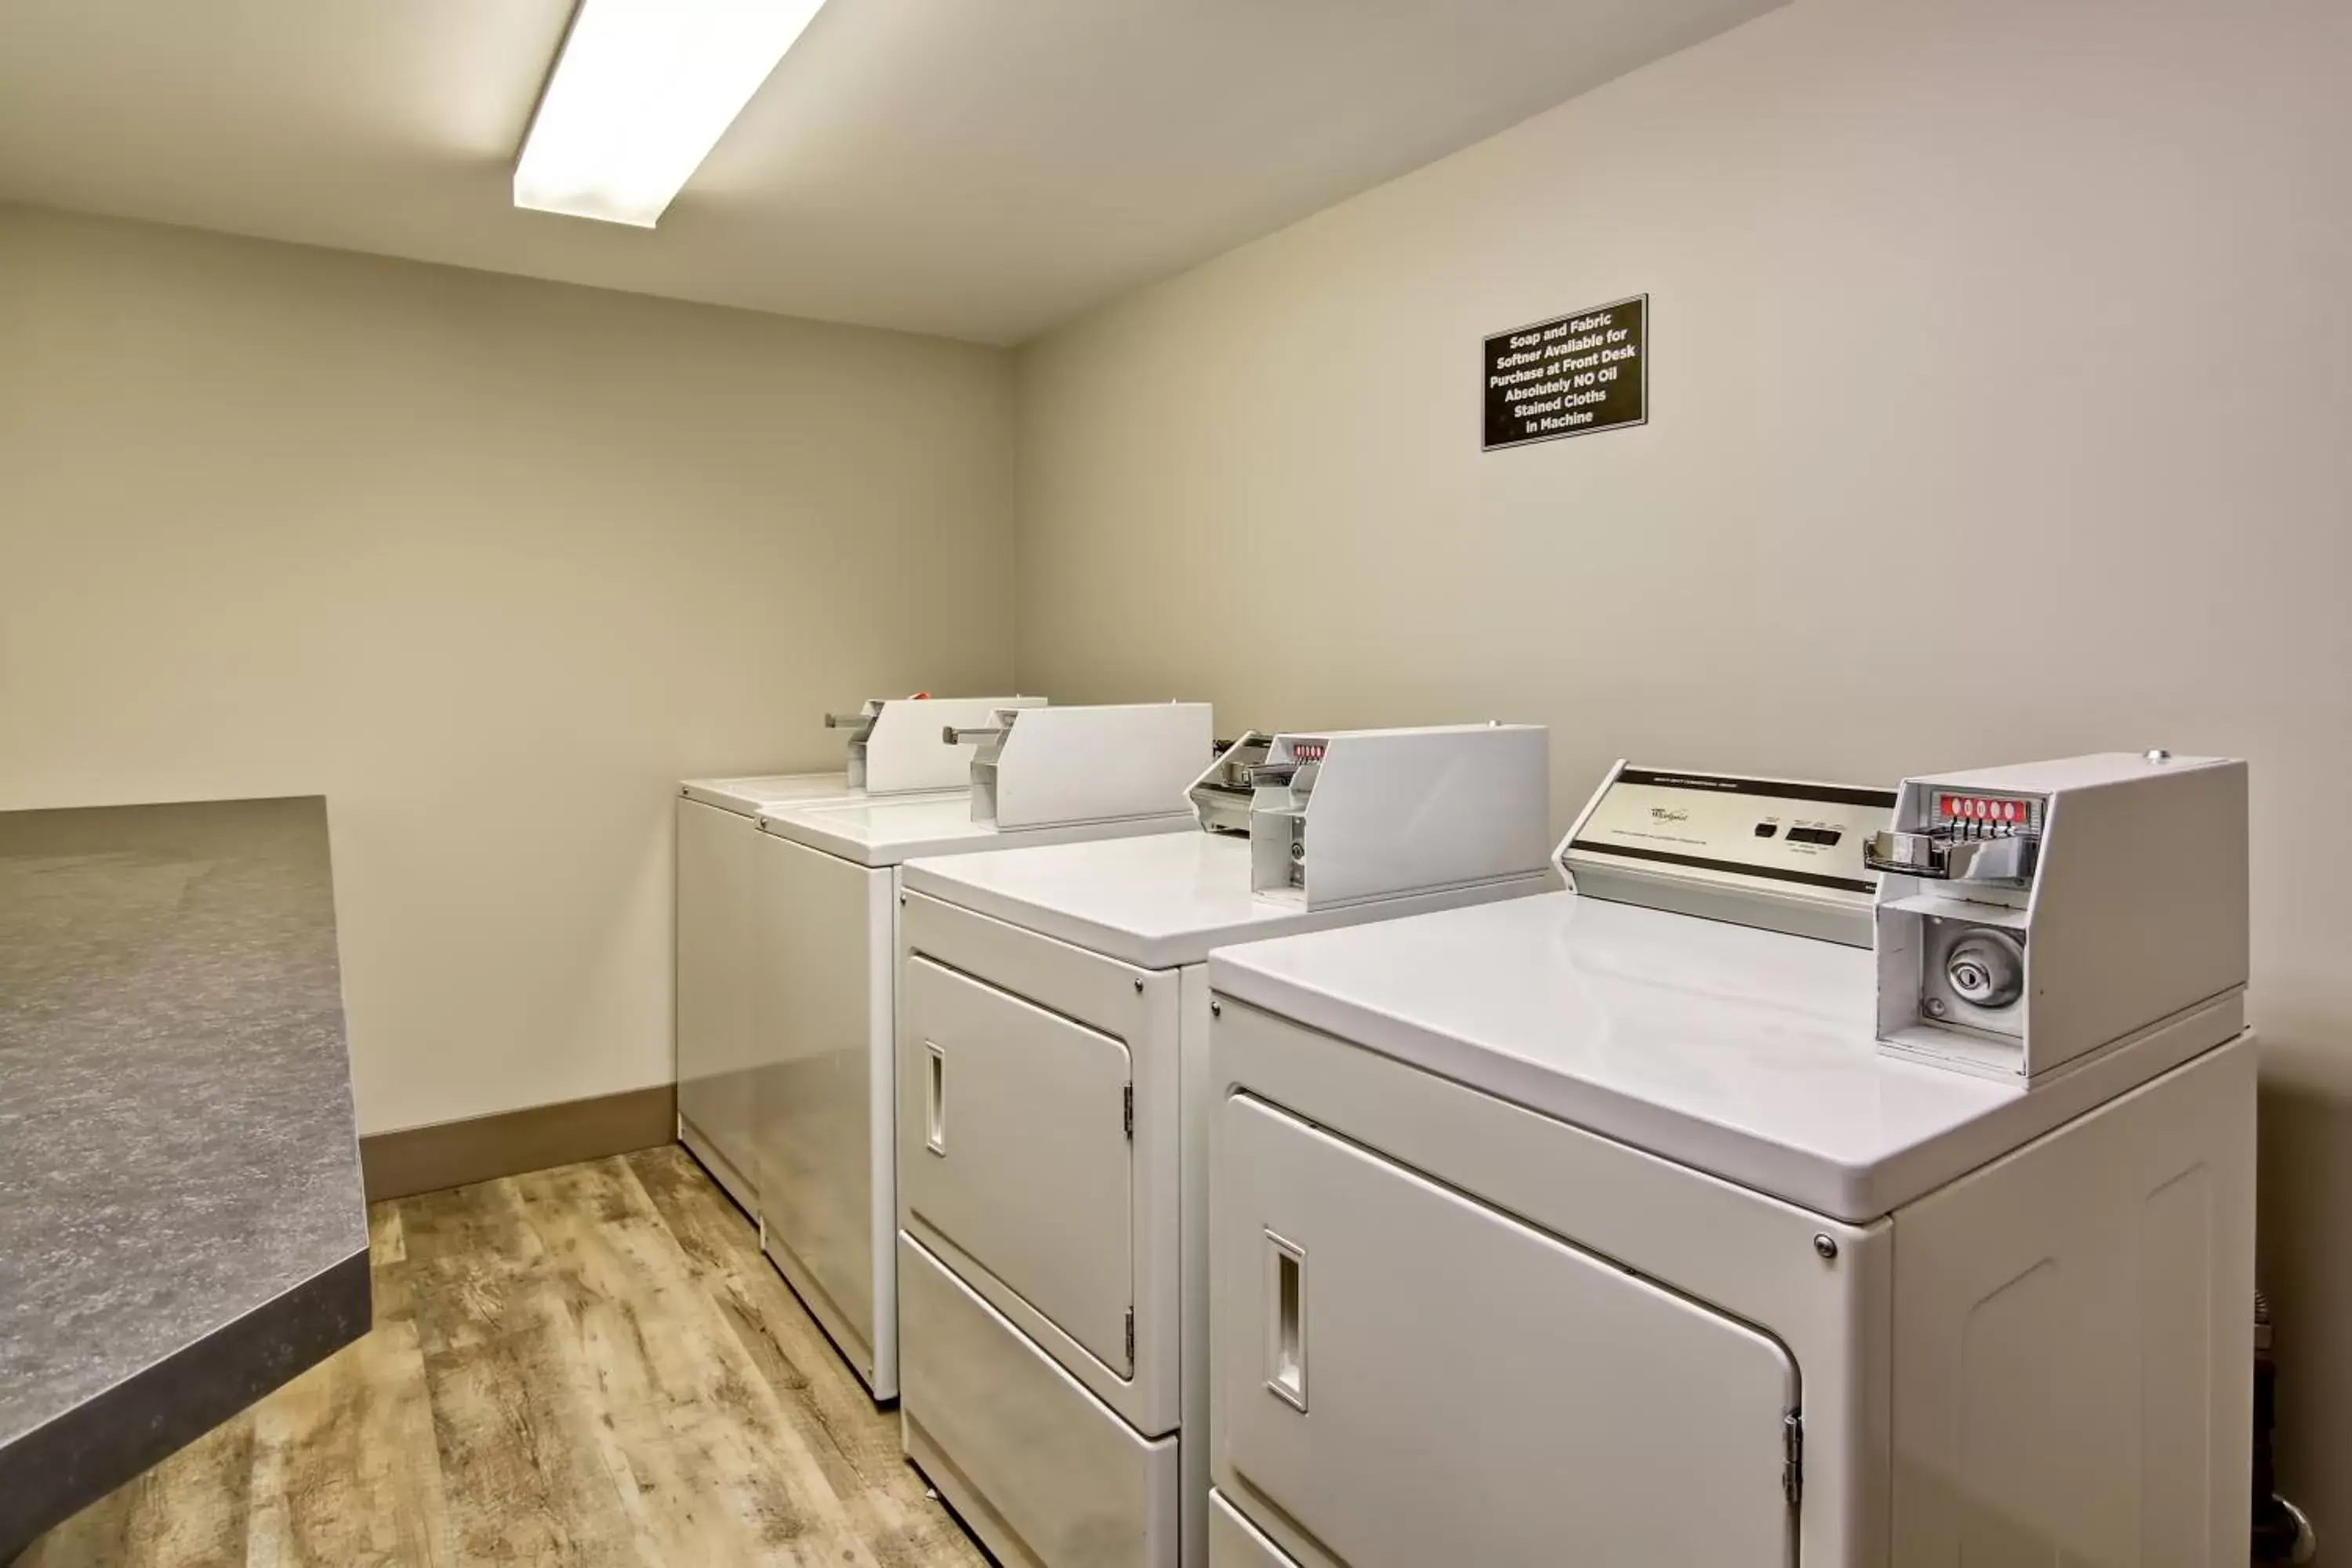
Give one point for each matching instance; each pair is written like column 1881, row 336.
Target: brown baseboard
column 483, row 1148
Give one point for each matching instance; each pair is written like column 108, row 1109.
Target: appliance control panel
column 1786, row 854
column 1350, row 815
column 1043, row 767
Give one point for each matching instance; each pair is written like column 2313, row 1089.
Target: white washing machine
column 1626, row 1226
column 893, row 747
column 1053, row 1093
column 827, row 912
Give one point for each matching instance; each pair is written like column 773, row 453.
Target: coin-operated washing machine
column 1648, row 1223
column 823, row 1004
column 894, row 747
column 1054, row 1094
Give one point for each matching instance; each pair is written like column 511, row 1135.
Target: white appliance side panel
column 1236, row 1543
column 1197, row 1104
column 1397, row 811
column 1095, row 764
column 826, row 929
column 1043, row 1472
column 734, row 1182
column 717, row 975
column 2073, row 1338
column 882, row 1094
column 908, row 751
column 1416, row 1378
column 1014, row 1145
column 2134, row 918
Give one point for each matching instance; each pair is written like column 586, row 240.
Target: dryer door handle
column 935, row 1099
column 1286, row 1321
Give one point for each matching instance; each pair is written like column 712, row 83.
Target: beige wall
column 489, row 563
column 2002, row 408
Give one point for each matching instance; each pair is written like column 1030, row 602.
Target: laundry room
column 1123, row 784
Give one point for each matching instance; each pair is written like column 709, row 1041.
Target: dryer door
column 1413, row 1378
column 1013, row 1148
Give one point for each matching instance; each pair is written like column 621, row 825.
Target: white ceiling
column 979, row 168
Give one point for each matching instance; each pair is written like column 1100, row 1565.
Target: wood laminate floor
column 588, row 1365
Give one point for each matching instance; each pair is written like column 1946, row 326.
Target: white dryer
column 825, row 914
column 1053, row 1100
column 1626, row 1226
column 894, row 746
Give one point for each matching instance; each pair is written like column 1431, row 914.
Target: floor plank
column 189, row 1510
column 338, row 1472
column 592, row 1365
column 828, row 1409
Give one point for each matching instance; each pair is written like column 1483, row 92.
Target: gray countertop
column 181, row 1222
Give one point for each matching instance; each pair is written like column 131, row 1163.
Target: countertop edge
column 80, row 1455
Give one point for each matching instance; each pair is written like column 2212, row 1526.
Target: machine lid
column 1783, row 854
column 1746, row 1052
column 1160, row 902
column 885, row 832
column 749, row 796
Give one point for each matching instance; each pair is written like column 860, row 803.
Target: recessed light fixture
column 642, row 92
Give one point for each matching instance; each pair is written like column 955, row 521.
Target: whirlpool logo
column 1668, row 814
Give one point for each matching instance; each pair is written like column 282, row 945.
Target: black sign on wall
column 1571, row 376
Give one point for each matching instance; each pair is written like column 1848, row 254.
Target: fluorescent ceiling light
column 642, row 92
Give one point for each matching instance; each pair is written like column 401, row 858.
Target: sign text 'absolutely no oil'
column 1571, row 376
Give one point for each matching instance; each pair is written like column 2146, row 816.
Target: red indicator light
column 1983, row 808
